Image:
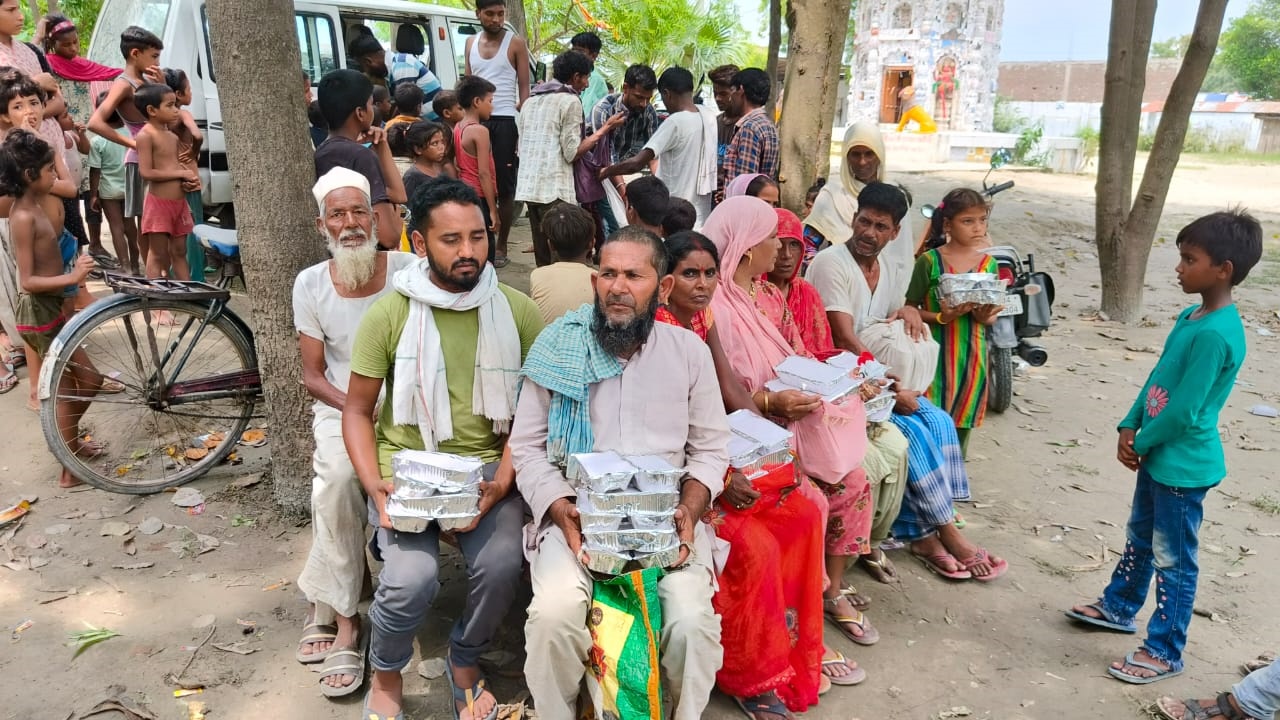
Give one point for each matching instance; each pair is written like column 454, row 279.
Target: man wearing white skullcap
column 329, row 299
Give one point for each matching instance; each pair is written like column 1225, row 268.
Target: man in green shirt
column 588, row 43
column 1170, row 438
column 448, row 345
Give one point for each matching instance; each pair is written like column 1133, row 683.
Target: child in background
column 166, row 217
column 423, row 142
column 474, row 151
column 75, row 144
column 22, row 107
column 381, row 105
column 565, row 284
column 445, row 107
column 408, row 105
column 811, row 195
column 681, row 215
column 960, row 385
column 141, row 49
column 189, row 142
column 1170, row 438
column 27, row 174
column 106, row 192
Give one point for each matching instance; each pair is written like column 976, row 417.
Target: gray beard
column 353, row 267
column 623, row 340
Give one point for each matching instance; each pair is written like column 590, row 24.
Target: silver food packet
column 600, row 472
column 605, row 562
column 663, row 558
column 655, row 474
column 645, row 541
column 436, row 506
column 629, row 501
column 652, row 521
column 420, row 474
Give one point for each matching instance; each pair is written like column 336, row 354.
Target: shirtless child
column 141, row 50
column 166, row 217
column 27, row 174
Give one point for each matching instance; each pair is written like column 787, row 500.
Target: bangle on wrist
column 938, row 317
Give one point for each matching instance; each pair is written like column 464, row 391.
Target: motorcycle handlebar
column 991, row 191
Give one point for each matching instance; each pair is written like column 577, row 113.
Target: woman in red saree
column 770, row 592
column 807, row 311
column 831, row 439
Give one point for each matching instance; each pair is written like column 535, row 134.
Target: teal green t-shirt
column 1176, row 414
column 373, row 354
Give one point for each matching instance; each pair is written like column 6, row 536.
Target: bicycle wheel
column 184, row 396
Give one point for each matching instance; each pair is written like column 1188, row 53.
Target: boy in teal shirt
column 1170, row 438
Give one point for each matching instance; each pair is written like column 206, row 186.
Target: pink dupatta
column 831, row 441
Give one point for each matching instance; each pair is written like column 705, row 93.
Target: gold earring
column 747, row 255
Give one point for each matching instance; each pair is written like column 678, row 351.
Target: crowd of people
column 669, row 286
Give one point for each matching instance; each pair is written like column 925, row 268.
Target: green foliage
column 1172, row 49
column 1006, row 118
column 1024, row 149
column 1198, row 140
column 1090, row 137
column 1251, row 49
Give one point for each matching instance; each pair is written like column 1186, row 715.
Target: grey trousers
column 410, row 579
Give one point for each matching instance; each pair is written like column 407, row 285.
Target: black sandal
column 1198, row 712
column 767, row 703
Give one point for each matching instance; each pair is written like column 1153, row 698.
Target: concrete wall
column 1065, row 119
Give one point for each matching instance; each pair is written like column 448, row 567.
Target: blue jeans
column 1259, row 693
column 1162, row 540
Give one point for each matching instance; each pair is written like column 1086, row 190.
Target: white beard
column 353, row 267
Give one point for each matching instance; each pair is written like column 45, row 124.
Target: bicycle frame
column 171, row 392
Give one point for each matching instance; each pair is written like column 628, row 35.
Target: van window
column 461, row 31
column 385, row 30
column 117, row 15
column 317, row 41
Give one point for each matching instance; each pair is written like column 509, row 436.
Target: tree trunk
column 775, row 47
column 1126, row 226
column 814, row 51
column 270, row 157
column 516, row 16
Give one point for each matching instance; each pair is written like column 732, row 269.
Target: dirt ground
column 1048, row 495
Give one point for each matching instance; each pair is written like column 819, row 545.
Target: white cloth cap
column 338, row 177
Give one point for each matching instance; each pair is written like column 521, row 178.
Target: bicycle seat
column 223, row 240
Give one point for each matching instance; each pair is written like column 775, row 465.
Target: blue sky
column 1043, row 30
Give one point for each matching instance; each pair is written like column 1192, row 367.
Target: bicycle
column 186, row 383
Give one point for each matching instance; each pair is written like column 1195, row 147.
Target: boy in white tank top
column 501, row 57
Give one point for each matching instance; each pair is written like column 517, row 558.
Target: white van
column 323, row 28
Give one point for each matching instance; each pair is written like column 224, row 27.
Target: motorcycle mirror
column 1000, row 158
column 927, row 211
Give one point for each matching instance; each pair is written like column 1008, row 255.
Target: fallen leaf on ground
column 247, row 481
column 239, row 648
column 151, row 526
column 431, row 668
column 195, row 453
column 134, row 566
column 187, row 497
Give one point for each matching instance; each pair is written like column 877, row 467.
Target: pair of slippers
column 338, row 661
column 1107, row 621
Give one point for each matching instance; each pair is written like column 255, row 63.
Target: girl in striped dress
column 960, row 384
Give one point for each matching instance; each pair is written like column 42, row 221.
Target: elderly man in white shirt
column 329, row 299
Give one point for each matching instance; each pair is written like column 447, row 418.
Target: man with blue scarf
column 605, row 377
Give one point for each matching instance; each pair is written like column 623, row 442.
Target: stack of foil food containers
column 977, row 288
column 434, row 486
column 832, row 382
column 627, row 507
column 761, row 451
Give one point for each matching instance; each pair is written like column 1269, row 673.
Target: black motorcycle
column 1028, row 306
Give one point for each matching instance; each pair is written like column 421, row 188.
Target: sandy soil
column 1048, row 495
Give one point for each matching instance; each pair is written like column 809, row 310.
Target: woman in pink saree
column 831, row 440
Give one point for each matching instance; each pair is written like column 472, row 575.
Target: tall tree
column 1251, row 49
column 814, row 53
column 516, row 16
column 270, row 154
column 1125, row 225
column 775, row 48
